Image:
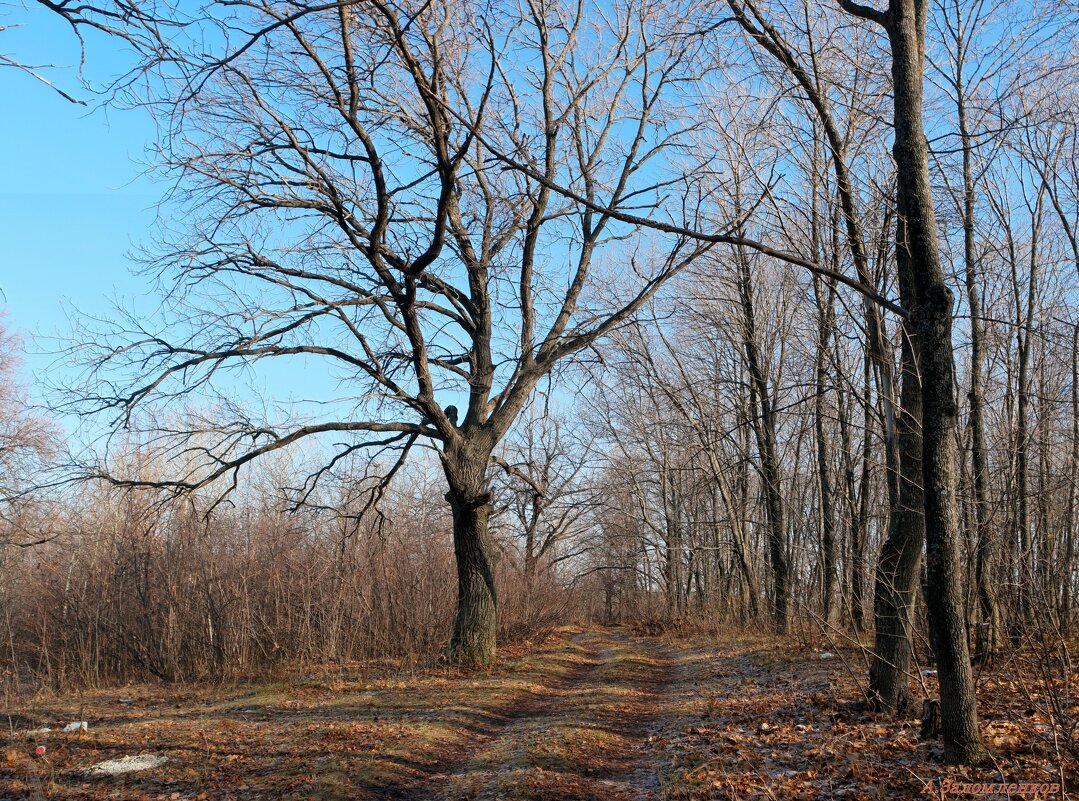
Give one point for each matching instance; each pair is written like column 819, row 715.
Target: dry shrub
column 531, row 609
column 138, row 591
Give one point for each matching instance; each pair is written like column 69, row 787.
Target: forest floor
column 587, row 714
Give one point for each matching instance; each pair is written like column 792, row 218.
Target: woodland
column 683, row 403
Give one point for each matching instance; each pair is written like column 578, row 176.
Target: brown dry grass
column 339, row 736
column 586, row 714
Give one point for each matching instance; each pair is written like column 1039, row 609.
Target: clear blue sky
column 72, row 198
column 75, row 203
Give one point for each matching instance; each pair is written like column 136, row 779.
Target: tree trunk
column 764, row 427
column 900, row 556
column 476, row 625
column 672, row 554
column 1024, row 321
column 830, row 574
column 990, row 628
column 1073, row 490
column 931, row 317
column 859, row 506
column 1022, row 481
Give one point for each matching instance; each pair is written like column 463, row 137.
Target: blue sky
column 73, row 201
column 76, row 203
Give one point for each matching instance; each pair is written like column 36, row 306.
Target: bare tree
column 27, row 440
column 339, row 206
column 926, row 294
column 544, row 488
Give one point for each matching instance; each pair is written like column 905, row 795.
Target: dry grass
column 336, row 737
column 586, row 715
column 566, row 718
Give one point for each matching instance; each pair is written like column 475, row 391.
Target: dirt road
column 593, row 734
column 587, row 715
column 580, row 716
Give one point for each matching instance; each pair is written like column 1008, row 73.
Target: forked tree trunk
column 896, row 583
column 475, row 628
column 931, row 316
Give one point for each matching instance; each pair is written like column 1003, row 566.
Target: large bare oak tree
column 335, row 204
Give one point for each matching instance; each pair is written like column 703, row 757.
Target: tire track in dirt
column 455, row 763
column 593, row 735
column 588, row 714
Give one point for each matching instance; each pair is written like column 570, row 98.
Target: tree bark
column 931, row 317
column 900, row 556
column 476, row 625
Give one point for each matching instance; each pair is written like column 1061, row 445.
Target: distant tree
column 26, row 440
column 546, row 496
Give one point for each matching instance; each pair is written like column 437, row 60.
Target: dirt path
column 585, row 715
column 591, row 736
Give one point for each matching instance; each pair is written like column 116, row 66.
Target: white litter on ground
column 128, row 764
column 77, row 725
column 826, row 655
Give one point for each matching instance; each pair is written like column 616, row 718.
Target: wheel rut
column 593, row 735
